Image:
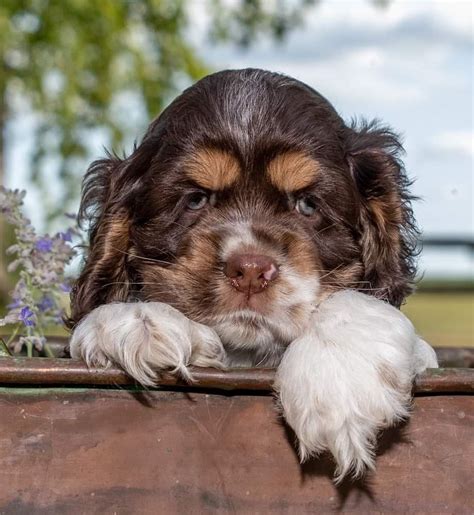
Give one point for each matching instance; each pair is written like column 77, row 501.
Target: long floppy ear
column 104, row 277
column 109, row 188
column 388, row 234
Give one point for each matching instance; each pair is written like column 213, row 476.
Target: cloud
column 410, row 65
column 354, row 52
column 458, row 142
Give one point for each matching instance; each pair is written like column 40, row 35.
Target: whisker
column 142, row 257
column 332, row 271
column 325, row 228
column 154, row 260
column 263, row 359
column 127, row 283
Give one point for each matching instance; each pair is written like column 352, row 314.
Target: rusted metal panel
column 462, row 357
column 71, row 372
column 455, row 356
column 71, row 451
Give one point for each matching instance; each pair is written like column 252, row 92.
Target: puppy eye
column 197, row 201
column 306, row 205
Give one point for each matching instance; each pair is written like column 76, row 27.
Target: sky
column 409, row 65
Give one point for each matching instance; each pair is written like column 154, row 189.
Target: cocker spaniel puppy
column 253, row 227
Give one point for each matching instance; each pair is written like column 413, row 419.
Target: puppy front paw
column 347, row 378
column 145, row 338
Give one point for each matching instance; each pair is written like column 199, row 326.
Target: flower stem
column 13, row 335
column 47, row 350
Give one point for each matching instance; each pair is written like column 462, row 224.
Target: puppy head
column 247, row 201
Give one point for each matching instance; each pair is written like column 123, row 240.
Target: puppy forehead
column 292, row 171
column 212, row 169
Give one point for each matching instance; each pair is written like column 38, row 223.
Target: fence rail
column 62, row 372
column 441, row 241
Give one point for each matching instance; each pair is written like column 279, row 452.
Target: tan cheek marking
column 182, row 285
column 301, row 256
column 213, row 169
column 293, row 171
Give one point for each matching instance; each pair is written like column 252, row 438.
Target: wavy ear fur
column 110, row 186
column 104, row 277
column 388, row 234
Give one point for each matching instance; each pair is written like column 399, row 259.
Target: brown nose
column 250, row 273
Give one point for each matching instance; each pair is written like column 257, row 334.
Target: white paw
column 144, row 338
column 348, row 377
column 425, row 356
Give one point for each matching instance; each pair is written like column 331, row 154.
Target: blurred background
column 79, row 75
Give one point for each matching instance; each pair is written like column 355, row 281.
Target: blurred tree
column 74, row 63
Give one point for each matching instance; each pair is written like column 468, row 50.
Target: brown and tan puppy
column 253, row 227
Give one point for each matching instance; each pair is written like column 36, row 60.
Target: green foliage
column 246, row 20
column 77, row 63
column 4, row 350
column 74, row 62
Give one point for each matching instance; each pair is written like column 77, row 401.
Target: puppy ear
column 387, row 230
column 105, row 277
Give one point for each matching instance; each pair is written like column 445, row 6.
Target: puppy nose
column 250, row 273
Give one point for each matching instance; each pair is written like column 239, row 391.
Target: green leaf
column 4, row 351
column 76, row 63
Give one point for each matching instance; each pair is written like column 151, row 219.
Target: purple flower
column 59, row 317
column 25, row 316
column 44, row 244
column 45, row 304
column 66, row 236
column 14, row 305
column 66, row 288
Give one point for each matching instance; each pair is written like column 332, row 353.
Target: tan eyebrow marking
column 292, row 171
column 213, row 169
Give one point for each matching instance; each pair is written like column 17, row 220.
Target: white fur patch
column 144, row 338
column 253, row 339
column 349, row 376
column 241, row 237
column 424, row 356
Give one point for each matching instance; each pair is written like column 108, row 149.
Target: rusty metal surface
column 445, row 380
column 461, row 357
column 112, row 451
column 72, row 372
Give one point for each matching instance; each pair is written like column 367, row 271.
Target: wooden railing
column 447, row 285
column 448, row 241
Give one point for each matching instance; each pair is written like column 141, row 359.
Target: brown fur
column 258, row 140
column 292, row 171
column 212, row 169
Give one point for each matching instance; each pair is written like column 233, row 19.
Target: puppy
column 253, row 227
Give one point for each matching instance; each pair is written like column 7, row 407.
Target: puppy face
column 247, row 201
